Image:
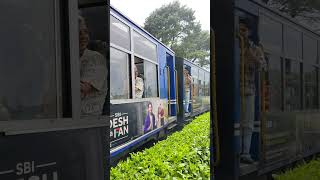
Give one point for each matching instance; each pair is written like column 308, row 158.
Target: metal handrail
column 168, row 84
column 177, row 97
column 214, row 103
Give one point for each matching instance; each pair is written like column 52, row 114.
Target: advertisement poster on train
column 122, row 123
column 155, row 115
column 131, row 120
column 56, row 155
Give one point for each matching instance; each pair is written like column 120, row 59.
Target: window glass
column 119, row 33
column 310, row 50
column 293, row 85
column 271, row 34
column 311, row 86
column 273, row 84
column 202, row 89
column 293, row 43
column 195, row 75
column 144, row 47
column 119, row 74
column 151, row 79
column 27, row 66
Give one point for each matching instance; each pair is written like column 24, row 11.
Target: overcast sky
column 139, row 10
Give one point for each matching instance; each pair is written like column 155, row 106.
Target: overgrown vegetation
column 309, row 171
column 183, row 155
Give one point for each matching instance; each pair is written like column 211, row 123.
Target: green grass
column 309, row 171
column 183, row 155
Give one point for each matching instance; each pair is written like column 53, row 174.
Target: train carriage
column 286, row 97
column 137, row 57
column 140, row 61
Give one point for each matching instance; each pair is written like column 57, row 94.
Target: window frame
column 129, row 69
column 16, row 127
column 133, row 54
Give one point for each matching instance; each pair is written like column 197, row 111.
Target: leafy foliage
column 176, row 26
column 183, row 155
column 304, row 10
column 308, row 171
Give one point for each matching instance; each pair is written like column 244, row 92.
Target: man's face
column 150, row 108
column 83, row 35
column 244, row 30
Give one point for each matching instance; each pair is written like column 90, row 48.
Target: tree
column 307, row 9
column 175, row 25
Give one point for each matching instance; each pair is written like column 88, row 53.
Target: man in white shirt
column 139, row 86
column 93, row 74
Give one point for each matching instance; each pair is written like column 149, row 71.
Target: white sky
column 139, row 10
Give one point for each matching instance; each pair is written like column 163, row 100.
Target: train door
column 196, row 102
column 250, row 92
column 171, row 86
column 187, row 93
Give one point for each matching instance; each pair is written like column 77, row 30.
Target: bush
column 183, row 155
column 309, row 171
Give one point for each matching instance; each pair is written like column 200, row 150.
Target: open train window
column 93, row 48
column 147, row 71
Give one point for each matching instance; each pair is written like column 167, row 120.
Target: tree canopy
column 175, row 25
column 297, row 8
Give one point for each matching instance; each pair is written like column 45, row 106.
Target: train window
column 119, row 33
column 144, row 47
column 148, row 72
column 28, row 66
column 309, row 50
column 311, row 86
column 93, row 64
column 292, row 85
column 271, row 34
column 293, row 43
column 202, row 83
column 151, row 77
column 273, row 84
column 119, row 74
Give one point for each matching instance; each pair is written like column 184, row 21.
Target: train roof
column 112, row 8
column 190, row 62
column 245, row 6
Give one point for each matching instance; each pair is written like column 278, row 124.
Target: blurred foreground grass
column 306, row 171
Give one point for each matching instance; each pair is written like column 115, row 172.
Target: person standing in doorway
column 253, row 61
column 187, row 87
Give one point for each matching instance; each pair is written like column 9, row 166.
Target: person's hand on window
column 85, row 88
